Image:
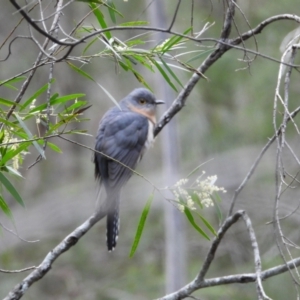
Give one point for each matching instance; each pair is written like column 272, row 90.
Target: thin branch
column 16, row 234
column 68, row 242
column 231, row 279
column 17, row 271
column 36, row 27
column 214, row 246
column 174, row 15
column 199, row 282
column 257, row 260
column 257, row 160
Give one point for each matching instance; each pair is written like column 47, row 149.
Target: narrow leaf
column 216, row 199
column 100, row 17
column 88, row 46
column 192, row 221
column 111, row 10
column 8, row 123
column 12, row 153
column 54, row 147
column 164, row 74
column 30, row 136
column 43, row 106
column 171, row 72
column 66, row 98
column 36, row 94
column 196, row 199
column 80, row 71
column 109, row 95
column 174, row 40
column 13, row 171
column 17, row 79
column 7, row 102
column 141, row 225
column 135, row 23
column 73, row 106
column 207, row 224
column 11, row 189
column 9, row 82
column 199, row 55
column 5, row 208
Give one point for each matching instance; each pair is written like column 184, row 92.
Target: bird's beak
column 159, row 102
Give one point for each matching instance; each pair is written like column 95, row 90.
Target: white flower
column 180, row 207
column 203, row 189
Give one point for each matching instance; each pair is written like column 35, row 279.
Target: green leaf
column 143, row 61
column 7, row 102
column 100, row 17
column 12, row 153
column 207, row 224
column 43, row 106
column 138, row 76
column 192, row 221
column 200, row 55
column 11, row 189
column 30, row 136
column 216, row 199
column 111, row 10
column 134, row 43
column 174, row 40
column 124, row 66
column 91, row 78
column 66, row 98
column 73, row 106
column 36, row 94
column 91, row 1
column 9, row 82
column 8, row 123
column 135, row 23
column 196, row 199
column 56, row 100
column 171, row 72
column 88, row 46
column 17, row 79
column 5, row 208
column 141, row 225
column 78, row 70
column 54, row 147
column 164, row 74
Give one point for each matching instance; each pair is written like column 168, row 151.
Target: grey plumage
column 122, row 135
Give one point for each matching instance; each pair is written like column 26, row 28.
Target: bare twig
column 174, row 15
column 17, row 271
column 257, row 260
column 16, row 234
column 257, row 160
column 199, row 282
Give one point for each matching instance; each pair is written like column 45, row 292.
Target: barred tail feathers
column 112, row 228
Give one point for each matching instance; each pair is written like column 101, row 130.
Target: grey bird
column 124, row 133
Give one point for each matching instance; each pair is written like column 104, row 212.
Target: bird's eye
column 142, row 101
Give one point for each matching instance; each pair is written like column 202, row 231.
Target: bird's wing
column 122, row 136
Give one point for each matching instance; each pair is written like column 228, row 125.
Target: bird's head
column 143, row 102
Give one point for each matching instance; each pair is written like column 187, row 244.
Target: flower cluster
column 200, row 192
column 14, row 144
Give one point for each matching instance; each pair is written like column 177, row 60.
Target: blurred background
column 226, row 122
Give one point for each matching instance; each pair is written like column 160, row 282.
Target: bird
column 125, row 132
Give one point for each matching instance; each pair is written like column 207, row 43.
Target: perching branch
column 200, row 282
column 68, row 242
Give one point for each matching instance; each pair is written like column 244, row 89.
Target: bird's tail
column 112, row 226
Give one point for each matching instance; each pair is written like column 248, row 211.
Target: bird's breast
column 150, row 135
